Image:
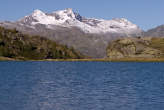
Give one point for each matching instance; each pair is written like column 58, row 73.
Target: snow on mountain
column 68, row 18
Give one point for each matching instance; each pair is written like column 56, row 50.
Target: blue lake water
column 81, row 86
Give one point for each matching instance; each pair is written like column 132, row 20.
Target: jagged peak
column 69, row 18
column 38, row 12
column 68, row 12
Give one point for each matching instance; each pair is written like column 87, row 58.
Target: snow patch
column 67, row 18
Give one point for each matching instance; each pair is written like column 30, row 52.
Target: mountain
column 68, row 18
column 155, row 32
column 88, row 35
column 16, row 45
column 140, row 47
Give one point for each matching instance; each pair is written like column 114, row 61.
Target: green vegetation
column 158, row 43
column 16, row 45
column 136, row 48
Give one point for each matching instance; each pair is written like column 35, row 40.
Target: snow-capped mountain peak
column 68, row 18
column 68, row 13
column 38, row 12
column 55, row 18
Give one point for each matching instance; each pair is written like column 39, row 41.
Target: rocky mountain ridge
column 155, row 32
column 69, row 18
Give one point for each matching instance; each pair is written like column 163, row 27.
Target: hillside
column 136, row 48
column 14, row 44
column 155, row 32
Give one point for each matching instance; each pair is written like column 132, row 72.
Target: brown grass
column 111, row 60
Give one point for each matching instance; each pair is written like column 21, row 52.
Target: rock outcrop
column 136, row 48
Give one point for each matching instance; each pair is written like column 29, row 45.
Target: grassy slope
column 155, row 43
column 16, row 45
column 158, row 43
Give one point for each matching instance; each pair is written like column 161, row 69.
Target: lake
column 81, row 86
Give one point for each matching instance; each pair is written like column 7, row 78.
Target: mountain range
column 90, row 36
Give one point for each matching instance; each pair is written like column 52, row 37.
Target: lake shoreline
column 92, row 60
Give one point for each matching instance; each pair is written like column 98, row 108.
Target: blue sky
column 145, row 13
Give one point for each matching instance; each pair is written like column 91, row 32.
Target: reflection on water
column 81, row 86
